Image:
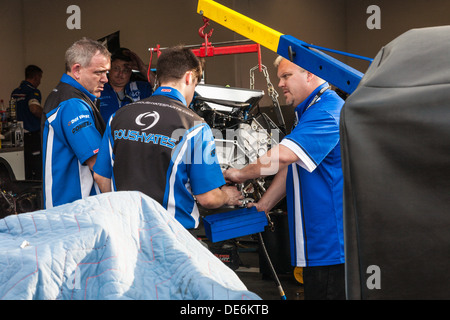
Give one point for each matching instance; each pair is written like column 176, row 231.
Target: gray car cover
column 395, row 142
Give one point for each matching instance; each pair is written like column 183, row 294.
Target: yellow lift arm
column 307, row 56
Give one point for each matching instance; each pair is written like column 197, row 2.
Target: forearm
column 36, row 110
column 103, row 183
column 216, row 198
column 264, row 166
column 274, row 194
column 275, row 160
column 91, row 162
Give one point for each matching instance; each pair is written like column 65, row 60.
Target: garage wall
column 12, row 55
column 142, row 24
column 145, row 24
column 35, row 31
column 321, row 22
column 397, row 17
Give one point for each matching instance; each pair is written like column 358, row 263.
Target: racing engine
column 242, row 133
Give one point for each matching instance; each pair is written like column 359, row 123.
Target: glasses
column 119, row 70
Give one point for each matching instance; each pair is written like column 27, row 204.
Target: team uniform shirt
column 134, row 91
column 25, row 95
column 72, row 133
column 314, row 185
column 160, row 147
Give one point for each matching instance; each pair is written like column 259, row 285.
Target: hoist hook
column 201, row 32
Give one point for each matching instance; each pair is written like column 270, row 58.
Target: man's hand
column 258, row 205
column 234, row 195
column 103, row 183
column 137, row 63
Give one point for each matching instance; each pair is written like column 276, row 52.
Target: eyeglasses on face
column 117, row 69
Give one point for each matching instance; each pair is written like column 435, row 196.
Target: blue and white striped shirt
column 70, row 137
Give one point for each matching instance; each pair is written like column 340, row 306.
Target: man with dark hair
column 160, row 147
column 29, row 110
column 121, row 89
column 28, row 99
column 72, row 126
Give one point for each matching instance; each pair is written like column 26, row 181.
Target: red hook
column 202, row 29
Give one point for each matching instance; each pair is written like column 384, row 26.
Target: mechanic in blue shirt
column 28, row 99
column 122, row 88
column 165, row 150
column 29, row 111
column 307, row 164
column 72, row 126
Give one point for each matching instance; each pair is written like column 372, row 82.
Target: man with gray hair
column 72, row 126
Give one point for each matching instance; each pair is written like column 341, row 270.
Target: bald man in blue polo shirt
column 307, row 168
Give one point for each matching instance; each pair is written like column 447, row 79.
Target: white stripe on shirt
column 305, row 161
column 48, row 163
column 299, row 236
column 171, row 205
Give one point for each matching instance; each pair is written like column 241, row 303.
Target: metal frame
column 299, row 52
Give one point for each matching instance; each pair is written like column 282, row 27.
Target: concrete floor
column 251, row 265
column 256, row 278
column 261, row 282
column 266, row 289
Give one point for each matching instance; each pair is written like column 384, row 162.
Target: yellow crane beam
column 307, row 56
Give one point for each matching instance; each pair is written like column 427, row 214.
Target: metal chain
column 272, row 93
column 270, row 88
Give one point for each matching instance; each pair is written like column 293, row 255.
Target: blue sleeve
column 316, row 134
column 103, row 164
column 205, row 172
column 77, row 121
column 146, row 89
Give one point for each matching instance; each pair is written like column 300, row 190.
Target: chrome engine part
column 242, row 134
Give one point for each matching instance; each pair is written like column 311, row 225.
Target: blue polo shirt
column 70, row 137
column 25, row 94
column 134, row 91
column 314, row 186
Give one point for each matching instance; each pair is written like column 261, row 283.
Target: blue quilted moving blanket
column 120, row 245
